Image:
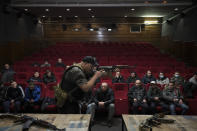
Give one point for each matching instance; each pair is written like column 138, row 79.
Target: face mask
column 161, row 76
column 176, row 75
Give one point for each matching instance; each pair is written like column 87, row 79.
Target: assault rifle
column 112, row 68
column 154, row 120
column 28, row 121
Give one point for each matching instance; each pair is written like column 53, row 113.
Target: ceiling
column 101, row 8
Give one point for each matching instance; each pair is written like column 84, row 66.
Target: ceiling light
column 67, row 9
column 150, row 22
column 109, row 29
column 60, row 16
column 89, row 9
column 132, row 9
column 43, row 16
column 176, row 9
column 26, row 9
column 93, row 16
column 76, row 16
column 125, row 16
column 91, row 29
column 47, row 10
column 76, row 29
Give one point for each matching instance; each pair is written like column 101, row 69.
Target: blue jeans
column 92, row 107
column 183, row 106
column 6, row 106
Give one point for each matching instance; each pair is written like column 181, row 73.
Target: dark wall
column 17, row 29
column 183, row 28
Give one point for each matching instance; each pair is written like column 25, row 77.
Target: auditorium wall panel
column 149, row 33
column 13, row 51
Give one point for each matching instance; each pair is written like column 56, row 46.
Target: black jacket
column 50, row 79
column 107, row 96
column 147, row 79
column 34, row 79
column 132, row 79
column 14, row 94
column 60, row 65
column 138, row 93
column 118, row 80
column 154, row 92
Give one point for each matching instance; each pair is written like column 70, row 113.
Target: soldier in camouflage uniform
column 75, row 83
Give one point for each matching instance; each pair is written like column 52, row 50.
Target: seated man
column 7, row 74
column 118, row 78
column 162, row 79
column 104, row 99
column 154, row 96
column 193, row 79
column 35, row 78
column 132, row 78
column 60, row 63
column 137, row 97
column 14, row 97
column 49, row 77
column 148, row 77
column 46, row 64
column 191, row 86
column 173, row 97
column 177, row 78
column 32, row 97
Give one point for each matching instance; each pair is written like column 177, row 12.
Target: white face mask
column 161, row 76
column 176, row 75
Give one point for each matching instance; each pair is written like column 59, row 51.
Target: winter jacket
column 138, row 93
column 170, row 94
column 153, row 92
column 107, row 96
column 35, row 94
column 119, row 79
column 147, row 79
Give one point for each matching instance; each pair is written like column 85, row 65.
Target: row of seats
column 140, row 56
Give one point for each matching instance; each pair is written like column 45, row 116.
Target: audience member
column 46, row 64
column 35, row 78
column 14, row 96
column 162, row 79
column 190, row 87
column 118, row 78
column 104, row 99
column 32, row 97
column 148, row 77
column 49, row 77
column 132, row 78
column 154, row 95
column 177, row 78
column 7, row 74
column 137, row 97
column 172, row 96
column 60, row 63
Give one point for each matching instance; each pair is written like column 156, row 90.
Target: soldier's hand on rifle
column 175, row 100
column 144, row 100
column 180, row 101
column 32, row 100
column 12, row 101
column 99, row 73
column 135, row 100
